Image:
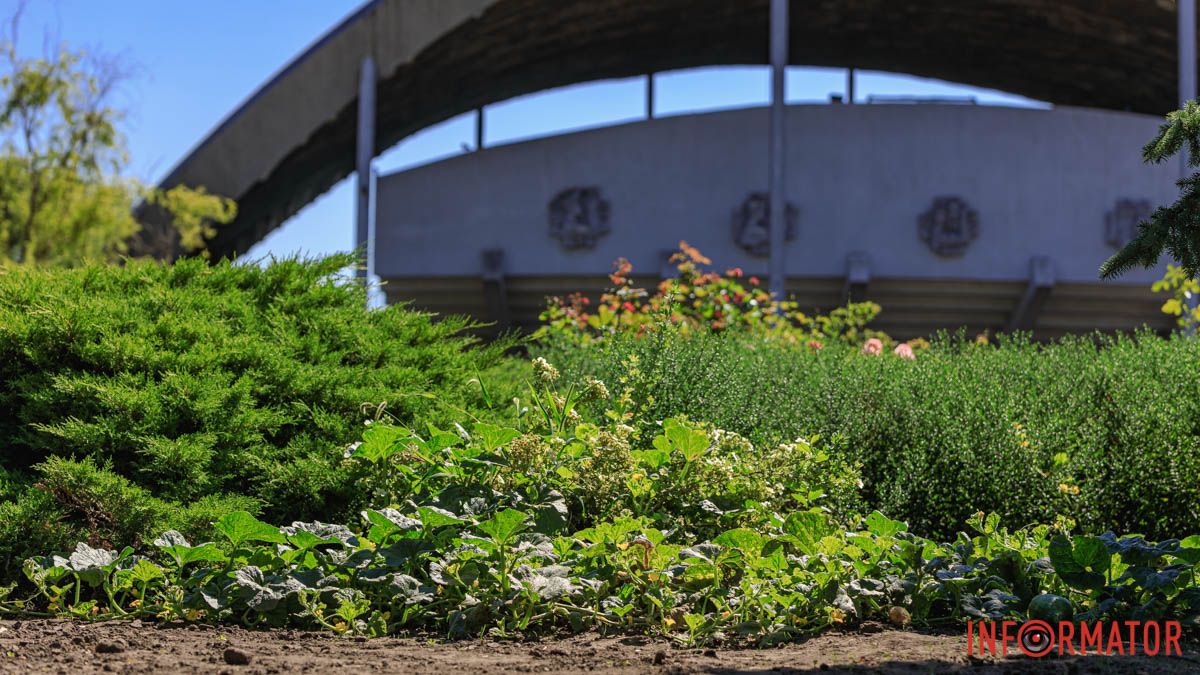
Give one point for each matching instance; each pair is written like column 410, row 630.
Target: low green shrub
column 72, row 500
column 1105, row 431
column 565, row 520
column 185, row 384
column 425, row 569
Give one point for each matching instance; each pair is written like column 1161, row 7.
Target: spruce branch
column 1175, row 228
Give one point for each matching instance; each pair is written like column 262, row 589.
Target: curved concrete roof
column 294, row 138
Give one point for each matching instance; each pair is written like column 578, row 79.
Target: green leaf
column 551, row 517
column 1150, row 578
column 145, row 571
column 305, row 540
column 1189, row 549
column 173, row 544
column 494, row 437
column 185, row 555
column 381, row 441
column 1082, row 562
column 653, row 458
column 502, row 526
column 432, row 516
column 440, row 440
column 699, row 573
column 690, row 442
column 387, row 522
column 745, row 540
column 882, row 526
column 614, row 532
column 693, row 621
column 662, row 444
column 806, row 529
column 240, row 527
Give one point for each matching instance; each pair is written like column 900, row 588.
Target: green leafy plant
column 1184, row 290
column 468, row 576
column 564, row 466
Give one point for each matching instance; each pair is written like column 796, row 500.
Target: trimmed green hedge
column 209, row 388
column 1105, row 431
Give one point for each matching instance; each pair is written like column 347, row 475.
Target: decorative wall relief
column 1120, row 224
column 948, row 227
column 578, row 217
column 752, row 224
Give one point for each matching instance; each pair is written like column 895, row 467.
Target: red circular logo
column 1035, row 638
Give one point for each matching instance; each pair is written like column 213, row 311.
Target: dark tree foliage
column 1175, row 228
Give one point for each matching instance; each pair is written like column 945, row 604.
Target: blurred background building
column 948, row 211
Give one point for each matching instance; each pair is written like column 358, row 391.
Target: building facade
column 993, row 218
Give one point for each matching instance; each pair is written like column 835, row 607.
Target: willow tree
column 64, row 194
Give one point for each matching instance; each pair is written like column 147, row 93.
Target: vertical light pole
column 364, row 153
column 850, row 85
column 479, row 120
column 1186, row 14
column 776, row 147
column 650, row 96
column 1187, row 58
column 375, row 297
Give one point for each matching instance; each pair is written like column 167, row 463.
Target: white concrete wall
column 1042, row 182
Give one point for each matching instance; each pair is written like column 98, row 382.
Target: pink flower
column 873, row 347
column 905, row 351
column 815, row 344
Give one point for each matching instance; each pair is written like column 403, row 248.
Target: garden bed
column 125, row 647
column 665, row 486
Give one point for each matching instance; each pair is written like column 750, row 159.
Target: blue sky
column 192, row 63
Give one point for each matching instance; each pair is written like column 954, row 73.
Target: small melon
column 1050, row 608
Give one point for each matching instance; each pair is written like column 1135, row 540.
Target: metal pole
column 650, row 96
column 850, row 86
column 371, row 234
column 479, row 129
column 1187, row 57
column 1186, row 15
column 776, row 145
column 365, row 152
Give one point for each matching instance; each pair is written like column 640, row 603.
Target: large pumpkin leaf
column 749, row 542
column 805, row 529
column 240, row 527
column 494, row 437
column 502, row 526
column 882, row 526
column 1081, row 562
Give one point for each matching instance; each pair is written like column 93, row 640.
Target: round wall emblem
column 948, row 227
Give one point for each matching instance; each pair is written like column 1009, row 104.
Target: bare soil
column 133, row 647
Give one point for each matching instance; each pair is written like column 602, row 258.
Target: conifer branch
column 1175, row 228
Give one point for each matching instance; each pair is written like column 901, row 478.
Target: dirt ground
column 132, row 647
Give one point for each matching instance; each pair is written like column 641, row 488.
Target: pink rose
column 873, row 347
column 905, row 351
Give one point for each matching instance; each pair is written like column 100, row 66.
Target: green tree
column 1175, row 228
column 63, row 195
